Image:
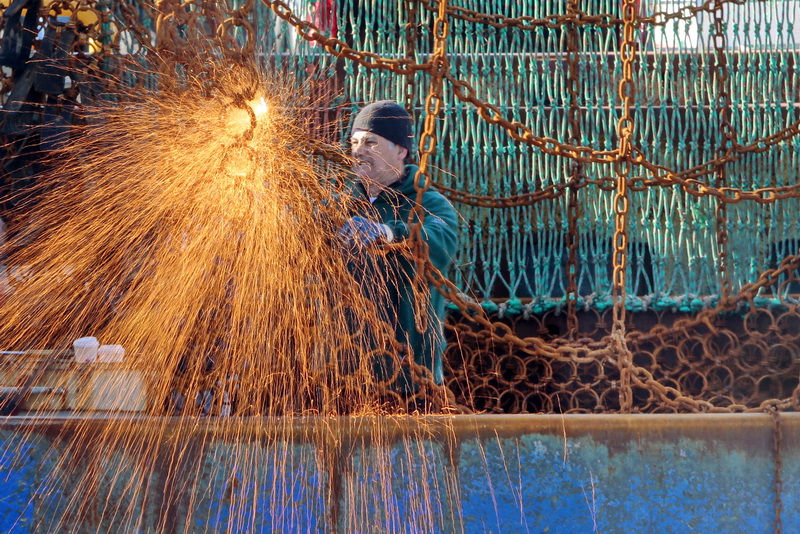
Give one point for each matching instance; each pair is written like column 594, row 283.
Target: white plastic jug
column 86, row 349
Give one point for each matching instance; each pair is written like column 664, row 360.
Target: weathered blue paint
column 570, row 474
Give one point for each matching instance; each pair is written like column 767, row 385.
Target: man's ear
column 403, row 152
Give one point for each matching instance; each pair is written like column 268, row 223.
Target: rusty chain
column 622, row 204
column 728, row 138
column 550, row 192
column 576, row 16
column 611, row 349
column 428, row 140
column 339, row 48
column 573, row 117
column 170, row 13
column 412, row 35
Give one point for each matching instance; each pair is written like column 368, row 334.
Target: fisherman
column 384, row 195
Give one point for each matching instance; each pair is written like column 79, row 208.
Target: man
column 385, row 195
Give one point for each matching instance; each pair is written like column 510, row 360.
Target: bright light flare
column 259, row 106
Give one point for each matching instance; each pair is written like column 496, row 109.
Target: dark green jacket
column 439, row 230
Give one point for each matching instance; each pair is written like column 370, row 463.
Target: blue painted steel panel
column 532, row 474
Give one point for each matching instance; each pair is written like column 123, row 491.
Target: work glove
column 361, row 232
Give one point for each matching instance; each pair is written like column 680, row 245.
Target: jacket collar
column 406, row 183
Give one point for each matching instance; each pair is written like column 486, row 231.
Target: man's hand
column 360, row 232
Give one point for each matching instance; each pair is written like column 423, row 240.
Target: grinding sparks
column 198, row 228
column 194, row 228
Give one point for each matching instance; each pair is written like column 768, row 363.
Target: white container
column 110, row 353
column 86, row 349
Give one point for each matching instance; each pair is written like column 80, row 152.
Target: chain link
column 492, row 114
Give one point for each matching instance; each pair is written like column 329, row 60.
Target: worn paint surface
column 593, row 473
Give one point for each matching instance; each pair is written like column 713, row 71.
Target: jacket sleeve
column 440, row 229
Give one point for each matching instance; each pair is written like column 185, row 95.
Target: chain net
column 625, row 171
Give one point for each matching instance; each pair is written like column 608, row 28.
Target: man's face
column 376, row 158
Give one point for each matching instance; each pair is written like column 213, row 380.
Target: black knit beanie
column 389, row 120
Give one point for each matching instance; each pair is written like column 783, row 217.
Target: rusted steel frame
column 777, row 439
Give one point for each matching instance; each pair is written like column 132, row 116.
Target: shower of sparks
column 193, row 227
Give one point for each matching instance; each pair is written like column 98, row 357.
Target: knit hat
column 389, row 120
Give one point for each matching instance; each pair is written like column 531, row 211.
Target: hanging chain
column 661, row 176
column 573, row 214
column 576, row 170
column 622, row 203
column 339, row 48
column 412, row 34
column 726, row 131
column 433, row 106
column 612, row 350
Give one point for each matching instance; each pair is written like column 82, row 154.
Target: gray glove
column 361, row 232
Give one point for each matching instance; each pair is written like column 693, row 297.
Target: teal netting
column 681, row 99
column 520, row 252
